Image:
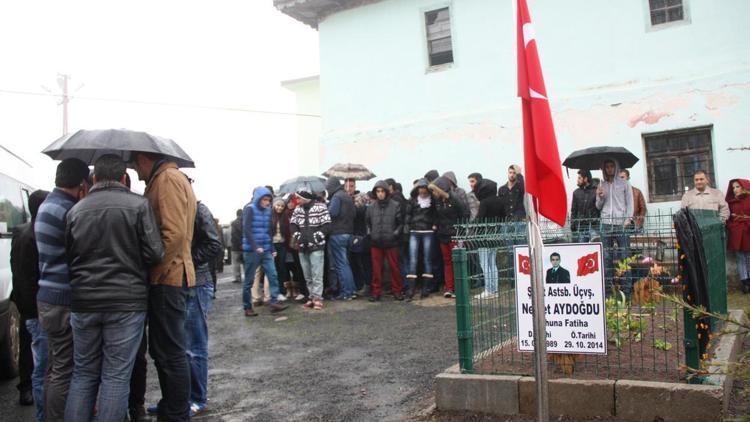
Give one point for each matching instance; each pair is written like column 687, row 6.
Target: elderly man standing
column 172, row 198
column 704, row 197
column 109, row 283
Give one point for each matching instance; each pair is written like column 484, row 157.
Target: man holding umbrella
column 174, row 204
column 614, row 199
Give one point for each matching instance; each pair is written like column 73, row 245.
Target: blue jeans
column 252, row 260
column 416, row 240
column 39, row 350
column 196, row 340
column 489, row 268
column 338, row 248
column 104, row 348
column 616, row 234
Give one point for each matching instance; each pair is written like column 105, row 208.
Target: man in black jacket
column 236, row 228
column 584, row 216
column 109, row 286
column 24, row 264
column 512, row 194
column 385, row 225
column 342, row 211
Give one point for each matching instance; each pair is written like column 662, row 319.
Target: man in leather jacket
column 109, row 285
column 584, row 216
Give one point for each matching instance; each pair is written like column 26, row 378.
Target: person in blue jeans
column 257, row 249
column 420, row 222
column 205, row 248
column 342, row 211
column 24, row 266
column 109, row 290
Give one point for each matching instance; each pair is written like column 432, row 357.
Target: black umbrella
column 593, row 157
column 89, row 145
column 314, row 184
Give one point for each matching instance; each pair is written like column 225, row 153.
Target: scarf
column 424, row 202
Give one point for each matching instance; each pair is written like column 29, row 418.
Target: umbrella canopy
column 89, row 145
column 314, row 184
column 349, row 171
column 593, row 157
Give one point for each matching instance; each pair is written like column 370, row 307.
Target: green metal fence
column 646, row 335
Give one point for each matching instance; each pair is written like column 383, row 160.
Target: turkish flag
column 543, row 178
column 588, row 264
column 524, row 264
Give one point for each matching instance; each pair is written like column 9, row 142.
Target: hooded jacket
column 256, row 223
column 490, row 205
column 310, row 224
column 206, row 244
column 449, row 209
column 616, row 205
column 384, row 220
column 418, row 218
column 460, row 193
column 341, row 207
column 110, row 273
column 512, row 199
column 738, row 225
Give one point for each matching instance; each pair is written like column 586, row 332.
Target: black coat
column 557, row 277
column 206, row 244
column 513, row 200
column 24, row 264
column 490, row 205
column 418, row 218
column 343, row 222
column 449, row 209
column 385, row 224
column 583, row 206
column 237, row 234
column 109, row 273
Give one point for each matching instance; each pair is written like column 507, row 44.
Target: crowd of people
column 98, row 265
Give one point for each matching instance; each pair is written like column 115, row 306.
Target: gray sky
column 228, row 53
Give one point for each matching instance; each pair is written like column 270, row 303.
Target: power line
column 160, row 103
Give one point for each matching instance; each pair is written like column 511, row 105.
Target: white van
column 14, row 211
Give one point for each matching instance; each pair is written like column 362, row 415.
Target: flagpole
column 537, row 299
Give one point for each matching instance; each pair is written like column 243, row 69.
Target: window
column 12, row 210
column 439, row 42
column 673, row 157
column 666, row 11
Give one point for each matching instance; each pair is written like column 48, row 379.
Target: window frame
column 686, row 20
column 425, row 42
column 651, row 159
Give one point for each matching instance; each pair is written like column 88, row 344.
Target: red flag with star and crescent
column 544, row 180
column 524, row 264
column 588, row 264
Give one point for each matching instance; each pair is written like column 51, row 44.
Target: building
column 409, row 85
column 307, row 97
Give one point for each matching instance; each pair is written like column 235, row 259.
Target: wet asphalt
column 352, row 361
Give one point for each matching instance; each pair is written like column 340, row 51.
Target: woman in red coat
column 738, row 227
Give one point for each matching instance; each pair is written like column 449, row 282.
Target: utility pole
column 62, row 81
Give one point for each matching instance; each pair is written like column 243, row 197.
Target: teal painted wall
column 610, row 79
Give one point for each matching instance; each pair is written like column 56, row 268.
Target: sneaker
column 374, row 299
column 25, row 398
column 196, row 409
column 398, row 297
column 257, row 303
column 300, row 297
column 485, row 295
column 153, row 410
column 281, row 298
column 344, row 298
column 250, row 313
column 277, row 307
column 308, row 304
column 449, row 294
column 424, row 294
column 318, row 305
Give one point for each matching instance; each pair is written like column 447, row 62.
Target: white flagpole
column 537, row 299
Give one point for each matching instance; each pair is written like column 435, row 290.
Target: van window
column 13, row 198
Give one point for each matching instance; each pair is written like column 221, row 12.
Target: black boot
column 746, row 286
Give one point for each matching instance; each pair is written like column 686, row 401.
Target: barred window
column 439, row 42
column 673, row 157
column 665, row 11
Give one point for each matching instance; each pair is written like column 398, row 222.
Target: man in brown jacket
column 639, row 202
column 174, row 204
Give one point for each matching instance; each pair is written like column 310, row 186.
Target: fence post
column 464, row 328
column 714, row 248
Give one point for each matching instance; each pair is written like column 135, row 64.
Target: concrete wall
column 307, row 92
column 610, row 78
